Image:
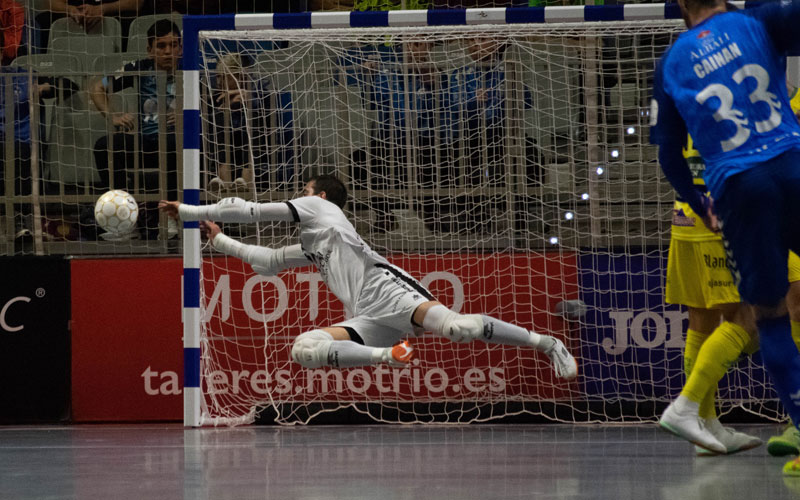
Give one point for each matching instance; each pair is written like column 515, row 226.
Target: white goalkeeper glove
column 264, row 261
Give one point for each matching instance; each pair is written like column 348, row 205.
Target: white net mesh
column 507, row 168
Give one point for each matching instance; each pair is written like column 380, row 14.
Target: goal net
column 506, row 167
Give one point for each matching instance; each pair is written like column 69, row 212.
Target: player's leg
column 702, row 323
column 342, row 347
column 684, row 417
column 759, row 242
column 438, row 319
column 788, row 442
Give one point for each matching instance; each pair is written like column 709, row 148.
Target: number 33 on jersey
column 729, row 81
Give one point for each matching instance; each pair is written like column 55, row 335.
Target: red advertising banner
column 127, row 349
column 255, row 319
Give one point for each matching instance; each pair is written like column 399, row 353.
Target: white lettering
column 455, row 282
column 313, row 280
column 148, row 375
column 3, row 324
column 351, row 381
column 283, row 298
column 666, row 329
column 473, row 376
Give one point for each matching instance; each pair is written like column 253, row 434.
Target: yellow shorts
column 698, row 275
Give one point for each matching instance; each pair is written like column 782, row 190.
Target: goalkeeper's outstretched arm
column 264, row 261
column 229, row 210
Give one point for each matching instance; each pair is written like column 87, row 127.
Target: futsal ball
column 116, row 212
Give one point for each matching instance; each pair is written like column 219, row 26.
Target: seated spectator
column 231, row 146
column 164, row 52
column 89, row 13
column 17, row 78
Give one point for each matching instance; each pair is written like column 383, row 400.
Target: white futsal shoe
column 689, row 426
column 564, row 364
column 733, row 440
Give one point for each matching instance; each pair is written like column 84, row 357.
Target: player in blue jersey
column 724, row 82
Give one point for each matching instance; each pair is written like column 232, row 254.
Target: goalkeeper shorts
column 386, row 307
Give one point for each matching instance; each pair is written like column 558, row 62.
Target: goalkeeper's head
column 328, row 187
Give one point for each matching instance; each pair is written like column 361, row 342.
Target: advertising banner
column 34, row 339
column 632, row 341
column 253, row 321
column 127, row 350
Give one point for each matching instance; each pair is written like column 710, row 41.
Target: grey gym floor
column 152, row 462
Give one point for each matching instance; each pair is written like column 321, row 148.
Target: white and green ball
column 116, row 212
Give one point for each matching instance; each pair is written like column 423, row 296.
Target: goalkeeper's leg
column 335, row 347
column 438, row 319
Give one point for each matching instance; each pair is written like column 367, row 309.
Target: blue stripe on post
column 369, row 19
column 191, row 26
column 191, row 367
column 191, row 196
column 447, row 17
column 191, row 129
column 191, row 287
column 192, row 224
column 525, row 15
column 604, row 13
column 294, row 20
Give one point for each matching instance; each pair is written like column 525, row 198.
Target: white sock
column 432, row 322
column 496, row 331
column 346, row 353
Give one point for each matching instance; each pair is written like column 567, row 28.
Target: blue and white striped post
column 192, row 395
column 192, row 25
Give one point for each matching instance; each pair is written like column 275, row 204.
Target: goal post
column 500, row 156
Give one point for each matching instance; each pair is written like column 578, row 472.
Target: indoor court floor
column 152, row 462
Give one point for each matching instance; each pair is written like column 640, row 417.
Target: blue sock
column 782, row 361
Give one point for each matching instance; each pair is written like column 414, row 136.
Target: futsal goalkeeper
column 385, row 304
column 698, row 277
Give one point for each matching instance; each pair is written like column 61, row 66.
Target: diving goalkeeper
column 384, row 303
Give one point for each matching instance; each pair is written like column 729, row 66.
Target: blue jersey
column 724, row 82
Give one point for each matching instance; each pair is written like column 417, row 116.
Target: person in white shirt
column 384, row 303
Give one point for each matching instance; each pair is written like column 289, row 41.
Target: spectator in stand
column 12, row 28
column 479, row 115
column 230, row 147
column 89, row 13
column 426, row 134
column 164, row 51
column 21, row 142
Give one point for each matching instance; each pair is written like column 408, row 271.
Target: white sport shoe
column 564, row 364
column 690, row 427
column 733, row 440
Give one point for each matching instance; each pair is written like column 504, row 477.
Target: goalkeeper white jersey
column 331, row 242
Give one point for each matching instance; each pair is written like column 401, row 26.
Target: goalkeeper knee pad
column 310, row 349
column 461, row 327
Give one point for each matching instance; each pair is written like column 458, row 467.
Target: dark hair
column 335, row 190
column 160, row 28
column 700, row 4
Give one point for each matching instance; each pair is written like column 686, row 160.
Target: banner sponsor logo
column 34, row 339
